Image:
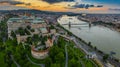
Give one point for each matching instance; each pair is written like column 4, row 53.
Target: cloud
column 28, row 4
column 11, row 5
column 114, row 9
column 57, row 1
column 11, row 2
column 86, row 6
column 99, row 6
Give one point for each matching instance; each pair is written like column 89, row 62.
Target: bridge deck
column 76, row 24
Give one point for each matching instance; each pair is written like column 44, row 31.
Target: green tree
column 13, row 34
column 74, row 63
column 32, row 30
column 55, row 65
column 54, row 51
column 105, row 57
column 60, row 57
column 29, row 40
column 27, row 32
column 21, row 31
column 28, row 27
column 48, row 62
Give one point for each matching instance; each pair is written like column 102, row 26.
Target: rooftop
column 43, row 30
column 27, row 19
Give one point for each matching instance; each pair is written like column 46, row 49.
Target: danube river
column 103, row 38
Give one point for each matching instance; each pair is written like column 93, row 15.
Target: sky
column 77, row 6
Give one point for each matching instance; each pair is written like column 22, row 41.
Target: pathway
column 14, row 61
column 66, row 52
column 41, row 65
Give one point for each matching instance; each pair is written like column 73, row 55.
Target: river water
column 103, row 38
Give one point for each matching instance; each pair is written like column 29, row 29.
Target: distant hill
column 37, row 11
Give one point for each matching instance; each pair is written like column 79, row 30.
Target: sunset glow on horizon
column 74, row 6
column 59, row 7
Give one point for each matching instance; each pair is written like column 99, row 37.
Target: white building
column 15, row 23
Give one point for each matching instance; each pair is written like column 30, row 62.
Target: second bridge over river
column 70, row 24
